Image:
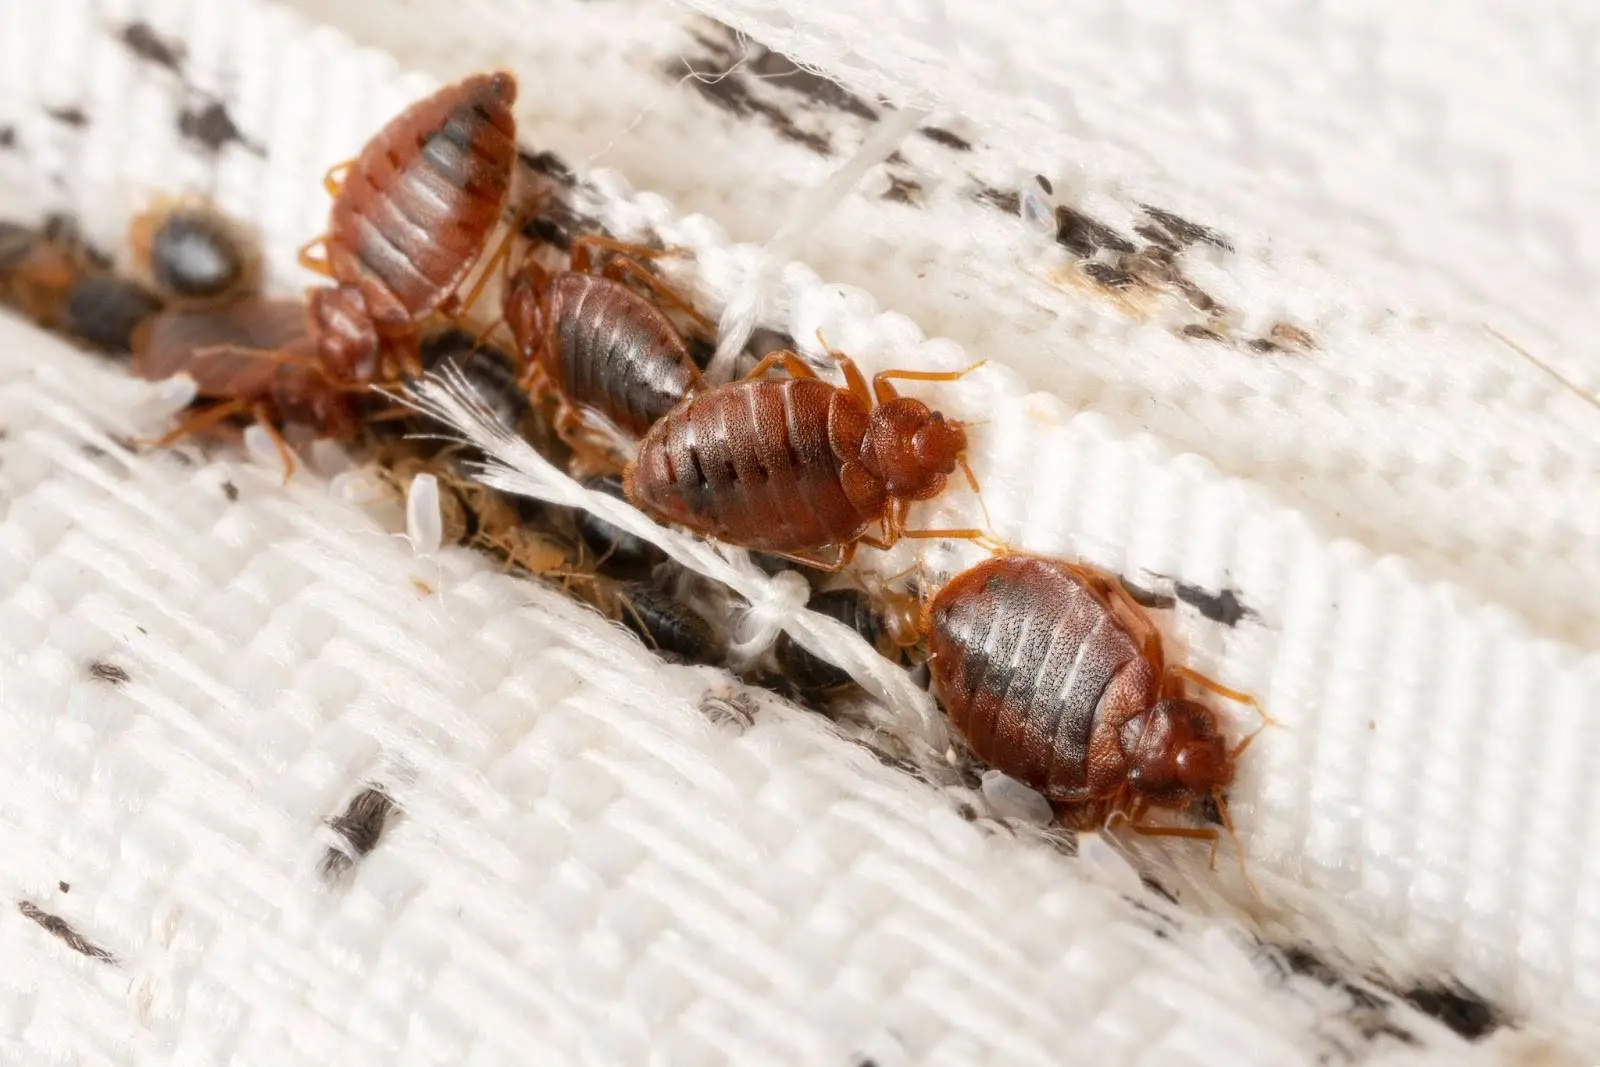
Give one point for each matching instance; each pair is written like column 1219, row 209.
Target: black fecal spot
column 144, row 42
column 103, row 310
column 1082, row 235
column 776, row 69
column 214, row 129
column 109, row 673
column 8, row 137
column 548, row 164
column 556, row 224
column 62, row 930
column 230, row 491
column 1006, row 200
column 946, row 138
column 64, row 887
column 1157, row 236
column 967, row 812
column 1263, row 344
column 1147, row 598
column 903, row 190
column 714, row 77
column 1185, row 232
column 1109, row 276
column 1223, row 607
column 1457, row 1007
column 1196, row 332
column 69, row 116
column 360, row 826
column 1158, row 889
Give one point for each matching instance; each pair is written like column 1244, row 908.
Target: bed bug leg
column 886, row 392
column 317, row 264
column 619, row 266
column 333, row 179
column 199, row 421
column 1185, row 674
column 285, row 453
column 790, row 361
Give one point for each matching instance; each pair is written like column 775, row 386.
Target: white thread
column 516, row 467
column 746, row 305
column 759, row 623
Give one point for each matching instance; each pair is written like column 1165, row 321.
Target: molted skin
column 419, row 204
column 609, row 349
column 771, row 465
column 1039, row 677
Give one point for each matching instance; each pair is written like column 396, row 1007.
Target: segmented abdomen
column 422, row 199
column 614, row 352
column 1024, row 657
column 750, row 463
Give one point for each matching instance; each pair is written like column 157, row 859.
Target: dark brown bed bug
column 412, row 215
column 617, row 552
column 222, row 349
column 855, row 609
column 1054, row 675
column 193, row 254
column 666, row 624
column 104, row 310
column 793, row 466
column 596, row 344
column 37, row 273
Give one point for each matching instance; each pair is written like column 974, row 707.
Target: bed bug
column 104, row 310
column 598, row 345
column 1054, row 675
column 37, row 273
column 616, row 551
column 791, row 466
column 855, row 609
column 666, row 624
column 193, row 254
column 411, row 217
column 219, row 350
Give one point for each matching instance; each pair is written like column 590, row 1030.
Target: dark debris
column 1223, row 607
column 62, row 930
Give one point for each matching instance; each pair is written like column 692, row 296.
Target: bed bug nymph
column 1055, row 676
column 792, row 466
column 596, row 344
column 411, row 216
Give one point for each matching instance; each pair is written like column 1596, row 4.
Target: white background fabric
column 590, row 870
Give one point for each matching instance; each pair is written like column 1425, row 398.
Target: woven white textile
column 588, row 868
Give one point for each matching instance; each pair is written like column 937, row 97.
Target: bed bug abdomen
column 1038, row 675
column 420, row 202
column 609, row 349
column 766, row 464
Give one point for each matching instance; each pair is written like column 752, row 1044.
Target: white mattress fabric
column 1377, row 518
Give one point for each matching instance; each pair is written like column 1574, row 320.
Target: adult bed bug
column 193, row 254
column 792, row 466
column 1054, row 675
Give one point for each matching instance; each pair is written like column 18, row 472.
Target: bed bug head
column 1175, row 751
column 912, row 448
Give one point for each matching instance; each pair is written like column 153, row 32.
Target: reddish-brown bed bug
column 37, row 273
column 596, row 344
column 193, row 254
column 411, row 217
column 220, row 349
column 1054, row 675
column 792, row 466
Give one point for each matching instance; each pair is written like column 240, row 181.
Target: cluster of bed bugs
column 1048, row 670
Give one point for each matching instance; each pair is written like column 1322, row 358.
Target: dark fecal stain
column 1198, row 298
column 548, row 164
column 8, row 137
column 109, row 672
column 64, row 887
column 1291, row 336
column 1263, row 344
column 1148, row 598
column 733, row 95
column 1457, row 1007
column 1196, row 332
column 1008, row 201
column 903, row 191
column 1109, row 276
column 1157, row 236
column 144, row 42
column 556, row 223
column 69, row 116
column 230, row 491
column 61, row 228
column 1223, row 607
column 1158, row 889
column 213, row 128
column 60, row 929
column 967, row 812
column 1084, row 236
column 361, row 826
column 946, row 138
column 1186, row 232
column 93, row 451
column 776, row 69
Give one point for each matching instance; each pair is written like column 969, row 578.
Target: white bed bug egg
column 424, row 516
column 1010, row 799
column 172, row 395
column 262, row 449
